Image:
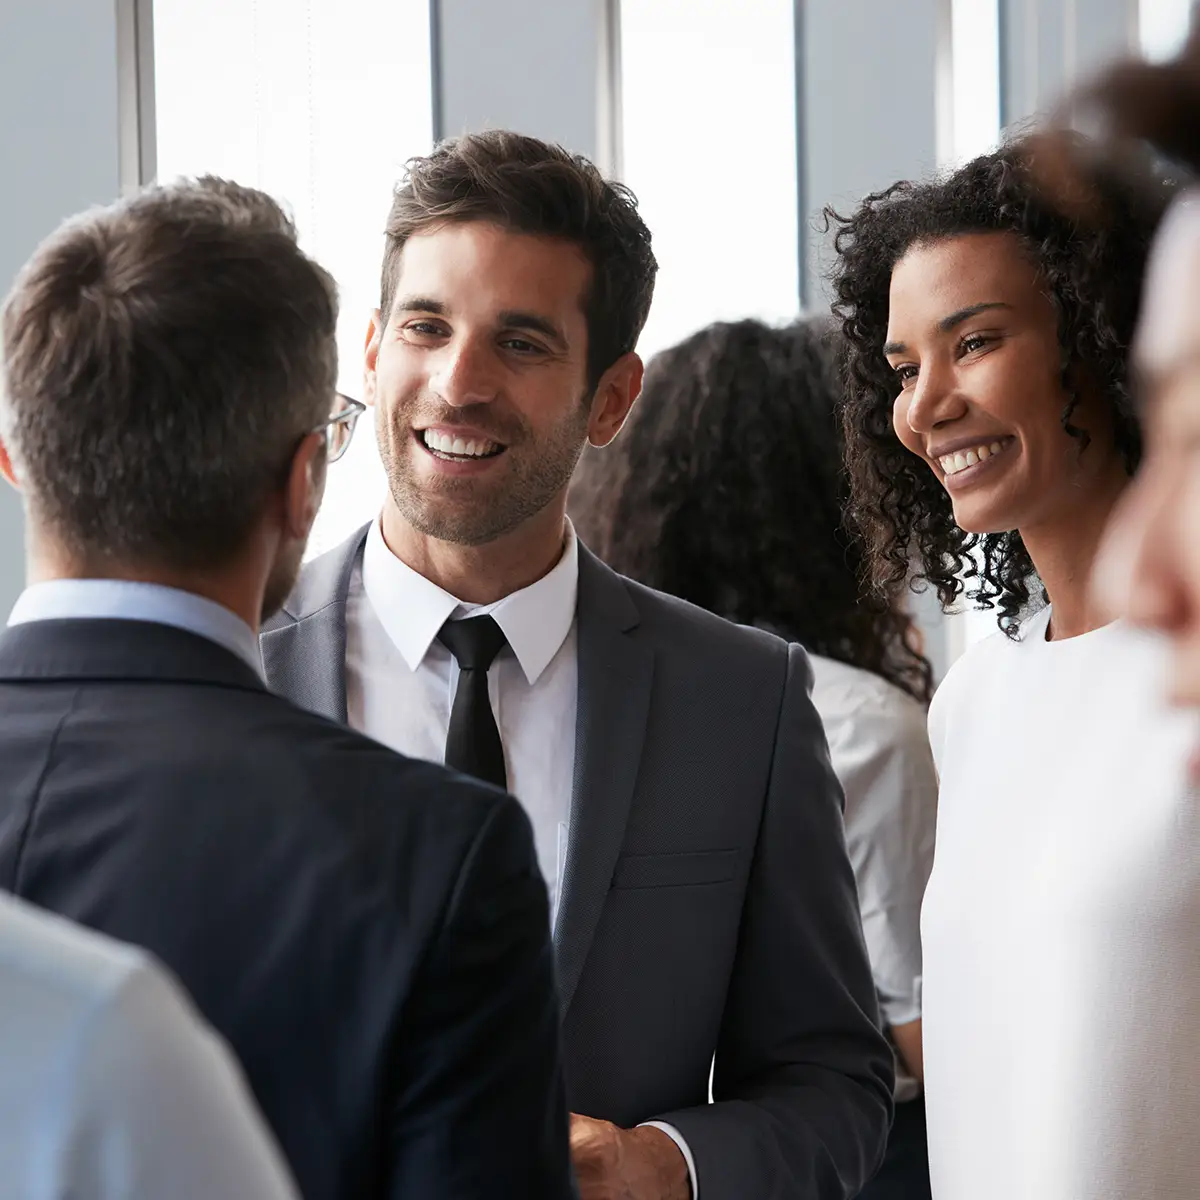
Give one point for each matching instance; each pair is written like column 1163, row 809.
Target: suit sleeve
column 481, row 1110
column 803, row 1077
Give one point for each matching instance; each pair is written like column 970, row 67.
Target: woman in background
column 990, row 433
column 726, row 489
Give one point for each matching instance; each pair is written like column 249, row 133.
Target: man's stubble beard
column 484, row 514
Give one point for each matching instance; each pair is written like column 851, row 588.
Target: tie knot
column 474, row 642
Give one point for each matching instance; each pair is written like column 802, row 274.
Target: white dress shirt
column 400, row 680
column 400, row 685
column 125, row 600
column 112, row 1087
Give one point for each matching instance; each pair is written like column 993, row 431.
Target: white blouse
column 879, row 748
column 1062, row 926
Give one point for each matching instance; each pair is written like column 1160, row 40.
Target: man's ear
column 6, row 467
column 619, row 387
column 304, row 488
column 371, row 356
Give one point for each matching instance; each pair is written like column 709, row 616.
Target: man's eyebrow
column 419, row 304
column 948, row 322
column 518, row 319
column 510, row 319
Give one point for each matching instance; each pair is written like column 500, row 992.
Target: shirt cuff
column 678, row 1139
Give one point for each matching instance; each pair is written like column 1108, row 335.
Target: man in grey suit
column 675, row 771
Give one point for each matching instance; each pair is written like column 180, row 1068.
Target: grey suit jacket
column 708, row 907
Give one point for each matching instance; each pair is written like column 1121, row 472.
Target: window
column 708, row 92
column 968, row 125
column 1163, row 27
column 318, row 102
column 974, row 118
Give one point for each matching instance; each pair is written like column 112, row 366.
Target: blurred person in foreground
column 1149, row 573
column 367, row 932
column 676, row 773
column 111, row 1087
column 990, row 433
column 1150, row 568
column 726, row 488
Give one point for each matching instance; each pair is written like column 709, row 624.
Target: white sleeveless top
column 1061, row 926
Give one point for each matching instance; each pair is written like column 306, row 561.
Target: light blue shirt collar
column 122, row 599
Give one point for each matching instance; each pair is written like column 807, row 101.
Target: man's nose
column 464, row 374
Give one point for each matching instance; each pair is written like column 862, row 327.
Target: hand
column 626, row 1164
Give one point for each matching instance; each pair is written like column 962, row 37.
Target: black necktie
column 473, row 743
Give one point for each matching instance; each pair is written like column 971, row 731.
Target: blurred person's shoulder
column 54, row 972
column 113, row 1083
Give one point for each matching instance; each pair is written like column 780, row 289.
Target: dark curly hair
column 1093, row 274
column 726, row 488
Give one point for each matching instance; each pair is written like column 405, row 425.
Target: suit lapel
column 304, row 645
column 615, row 674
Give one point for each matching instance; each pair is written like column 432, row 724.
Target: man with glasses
column 339, row 428
column 370, row 933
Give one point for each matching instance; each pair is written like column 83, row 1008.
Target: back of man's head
column 162, row 360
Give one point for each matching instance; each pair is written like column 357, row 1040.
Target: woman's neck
column 1064, row 552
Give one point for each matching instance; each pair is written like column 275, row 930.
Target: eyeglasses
column 339, row 427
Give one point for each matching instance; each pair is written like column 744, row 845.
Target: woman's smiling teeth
column 951, row 464
column 456, row 447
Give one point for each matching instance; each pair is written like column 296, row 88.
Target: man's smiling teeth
column 953, row 463
column 443, row 443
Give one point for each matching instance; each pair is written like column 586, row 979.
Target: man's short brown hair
column 529, row 186
column 162, row 360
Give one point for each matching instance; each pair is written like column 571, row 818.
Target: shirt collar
column 412, row 609
column 123, row 599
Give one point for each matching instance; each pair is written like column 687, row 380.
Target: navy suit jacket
column 369, row 933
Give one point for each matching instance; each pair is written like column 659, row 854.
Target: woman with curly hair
column 726, row 489
column 990, row 433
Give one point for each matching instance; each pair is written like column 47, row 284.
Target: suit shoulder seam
column 782, row 706
column 39, row 786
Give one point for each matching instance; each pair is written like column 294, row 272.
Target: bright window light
column 974, row 129
column 708, row 93
column 319, row 103
column 975, row 70
column 1163, row 27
